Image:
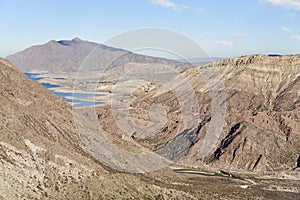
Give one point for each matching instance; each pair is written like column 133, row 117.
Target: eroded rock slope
column 261, row 131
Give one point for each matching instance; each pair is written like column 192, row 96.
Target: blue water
column 66, row 95
column 60, row 79
column 79, row 103
column 77, row 95
column 50, row 85
column 33, row 76
column 86, row 103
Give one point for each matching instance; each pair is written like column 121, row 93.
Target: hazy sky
column 224, row 28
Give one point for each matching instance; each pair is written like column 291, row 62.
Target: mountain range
column 76, row 54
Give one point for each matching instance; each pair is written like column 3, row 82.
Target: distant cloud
column 239, row 34
column 288, row 4
column 285, row 29
column 224, row 43
column 296, row 37
column 168, row 4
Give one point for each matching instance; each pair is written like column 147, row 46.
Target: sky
column 223, row 28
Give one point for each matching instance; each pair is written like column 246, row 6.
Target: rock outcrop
column 261, row 131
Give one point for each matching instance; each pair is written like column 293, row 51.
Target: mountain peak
column 69, row 42
column 77, row 39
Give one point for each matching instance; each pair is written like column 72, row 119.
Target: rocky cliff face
column 261, row 131
column 41, row 156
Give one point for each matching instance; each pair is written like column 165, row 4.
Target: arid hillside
column 41, row 156
column 261, row 101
